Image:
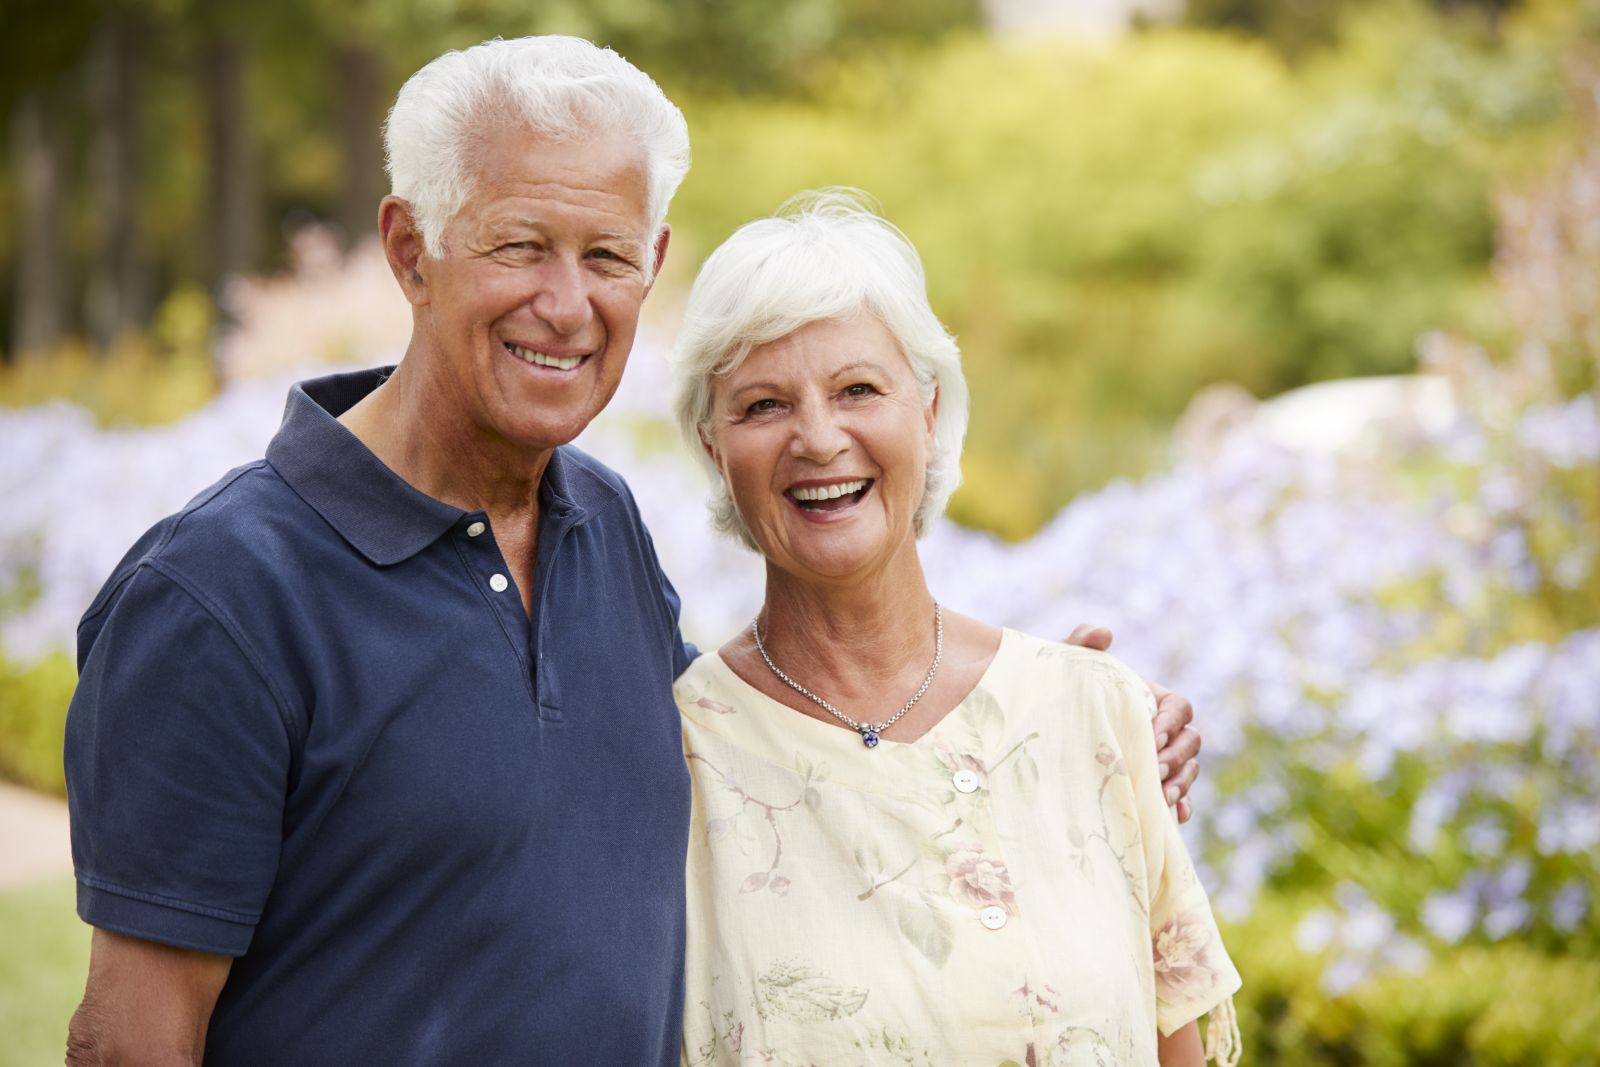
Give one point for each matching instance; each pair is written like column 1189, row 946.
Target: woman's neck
column 855, row 641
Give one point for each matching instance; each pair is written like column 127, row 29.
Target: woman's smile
column 827, row 500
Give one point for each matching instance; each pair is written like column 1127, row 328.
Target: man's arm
column 146, row 1004
column 1177, row 742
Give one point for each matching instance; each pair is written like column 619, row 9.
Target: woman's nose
column 819, row 434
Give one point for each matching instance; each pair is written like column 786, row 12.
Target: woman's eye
column 859, row 389
column 761, row 407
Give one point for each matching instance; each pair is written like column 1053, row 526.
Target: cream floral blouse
column 1008, row 889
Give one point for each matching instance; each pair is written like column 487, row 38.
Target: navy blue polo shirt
column 316, row 731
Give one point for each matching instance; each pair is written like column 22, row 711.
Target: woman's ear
column 931, row 414
column 705, row 443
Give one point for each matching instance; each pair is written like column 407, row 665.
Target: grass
column 44, row 958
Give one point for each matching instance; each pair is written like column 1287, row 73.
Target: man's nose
column 562, row 299
column 819, row 433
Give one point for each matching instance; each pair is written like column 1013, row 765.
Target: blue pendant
column 869, row 737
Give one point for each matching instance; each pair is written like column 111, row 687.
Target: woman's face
column 823, row 440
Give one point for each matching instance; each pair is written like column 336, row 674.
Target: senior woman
column 917, row 838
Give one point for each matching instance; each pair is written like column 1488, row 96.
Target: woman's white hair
column 826, row 255
column 564, row 88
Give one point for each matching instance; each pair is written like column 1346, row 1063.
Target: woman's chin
column 835, row 552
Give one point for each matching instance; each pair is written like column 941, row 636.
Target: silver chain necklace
column 869, row 733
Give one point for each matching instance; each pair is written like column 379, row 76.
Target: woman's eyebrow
column 764, row 387
column 860, row 364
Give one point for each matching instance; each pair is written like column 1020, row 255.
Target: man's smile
column 557, row 360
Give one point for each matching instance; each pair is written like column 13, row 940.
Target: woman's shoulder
column 702, row 682
column 1064, row 668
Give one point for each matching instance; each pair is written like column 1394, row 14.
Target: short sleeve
column 1193, row 973
column 177, row 764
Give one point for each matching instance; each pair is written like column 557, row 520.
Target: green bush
column 33, row 718
column 1475, row 1005
column 1108, row 228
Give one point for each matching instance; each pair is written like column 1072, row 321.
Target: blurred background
column 1282, row 321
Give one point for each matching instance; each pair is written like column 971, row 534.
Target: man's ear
column 402, row 246
column 659, row 256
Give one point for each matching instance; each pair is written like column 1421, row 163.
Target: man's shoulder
column 247, row 506
column 222, row 530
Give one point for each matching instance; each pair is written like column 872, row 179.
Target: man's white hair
column 564, row 88
column 826, row 255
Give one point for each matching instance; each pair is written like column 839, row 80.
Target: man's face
column 532, row 309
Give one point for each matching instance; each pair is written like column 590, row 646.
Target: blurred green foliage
column 145, row 378
column 1495, row 1005
column 1107, row 229
column 33, row 720
column 44, row 957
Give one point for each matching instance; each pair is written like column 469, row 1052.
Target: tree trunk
column 40, row 262
column 359, row 73
column 116, row 296
column 232, row 204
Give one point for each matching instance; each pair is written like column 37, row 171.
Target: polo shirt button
column 966, row 781
column 498, row 583
column 993, row 917
column 475, row 529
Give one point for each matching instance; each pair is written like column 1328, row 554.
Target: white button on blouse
column 966, row 781
column 993, row 917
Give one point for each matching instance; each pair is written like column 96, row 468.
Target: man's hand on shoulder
column 1177, row 741
column 145, row 1004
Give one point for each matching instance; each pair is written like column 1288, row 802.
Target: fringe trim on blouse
column 1223, row 1045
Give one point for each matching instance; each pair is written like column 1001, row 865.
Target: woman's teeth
column 823, row 495
column 528, row 355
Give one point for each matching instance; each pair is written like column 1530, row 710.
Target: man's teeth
column 828, row 492
column 540, row 359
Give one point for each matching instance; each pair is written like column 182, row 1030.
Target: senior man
column 374, row 757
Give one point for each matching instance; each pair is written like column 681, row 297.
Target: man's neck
column 418, row 430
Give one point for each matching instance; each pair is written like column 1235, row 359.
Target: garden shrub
column 33, row 716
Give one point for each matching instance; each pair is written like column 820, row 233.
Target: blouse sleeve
column 1193, row 973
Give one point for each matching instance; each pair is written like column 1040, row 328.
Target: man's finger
column 1173, row 715
column 1184, row 747
column 1177, row 787
column 1086, row 635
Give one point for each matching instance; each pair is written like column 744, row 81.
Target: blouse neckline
column 782, row 735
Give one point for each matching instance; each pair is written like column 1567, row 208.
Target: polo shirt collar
column 382, row 515
column 378, row 512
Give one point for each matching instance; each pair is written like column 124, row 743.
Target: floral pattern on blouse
column 1009, row 888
